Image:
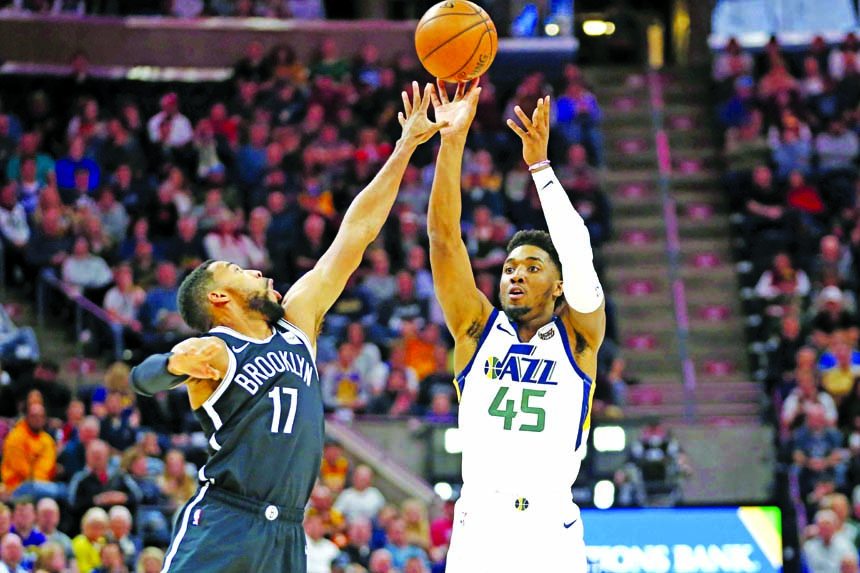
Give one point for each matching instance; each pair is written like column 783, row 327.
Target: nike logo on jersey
column 568, row 525
column 505, row 330
column 548, row 183
column 238, row 349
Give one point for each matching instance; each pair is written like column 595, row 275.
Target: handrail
column 2, row 272
column 48, row 278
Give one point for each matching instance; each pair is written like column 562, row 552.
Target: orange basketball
column 456, row 40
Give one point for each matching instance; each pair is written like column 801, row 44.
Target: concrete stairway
column 638, row 260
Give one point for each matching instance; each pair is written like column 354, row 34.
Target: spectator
column 119, row 532
column 404, row 306
column 416, row 523
column 29, row 454
column 782, row 287
column 150, row 560
column 825, row 552
column 578, row 116
column 111, row 559
column 362, row 499
column 379, row 283
column 185, row 249
column 732, row 62
column 832, row 319
column 805, row 396
column 441, row 410
column 124, row 299
column 66, row 167
column 358, row 549
column 841, row 377
column 334, row 467
column 51, row 558
column 47, row 520
column 96, row 486
column 440, row 530
column 329, row 63
column 791, row 152
column 765, row 209
column 253, row 67
column 12, row 553
column 396, row 398
column 320, row 551
column 87, row 545
column 178, row 131
column 342, row 384
column 24, row 524
column 818, row 452
column 381, row 562
column 159, row 313
column 49, row 245
column 833, row 259
column 28, row 148
column 14, row 235
column 400, row 548
column 121, row 147
column 84, row 272
column 174, row 482
column 333, row 521
column 72, row 458
column 118, row 426
column 227, row 243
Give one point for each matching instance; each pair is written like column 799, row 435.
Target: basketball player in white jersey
column 526, row 371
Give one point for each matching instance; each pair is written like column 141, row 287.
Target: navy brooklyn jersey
column 265, row 422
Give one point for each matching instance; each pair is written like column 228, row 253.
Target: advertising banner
column 684, row 540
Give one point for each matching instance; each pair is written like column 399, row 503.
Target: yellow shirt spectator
column 29, row 453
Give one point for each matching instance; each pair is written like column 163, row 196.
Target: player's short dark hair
column 539, row 239
column 192, row 297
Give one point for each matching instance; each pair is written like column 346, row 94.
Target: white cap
column 831, row 294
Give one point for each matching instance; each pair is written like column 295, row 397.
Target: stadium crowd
column 119, row 196
column 791, row 125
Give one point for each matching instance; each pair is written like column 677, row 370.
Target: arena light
column 453, row 441
column 609, row 439
column 604, row 494
column 598, row 28
column 552, row 29
column 444, row 490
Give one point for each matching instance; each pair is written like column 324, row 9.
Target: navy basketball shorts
column 221, row 532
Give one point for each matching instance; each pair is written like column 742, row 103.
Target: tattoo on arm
column 475, row 330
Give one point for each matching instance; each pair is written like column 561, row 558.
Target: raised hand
column 535, row 131
column 459, row 112
column 201, row 358
column 417, row 127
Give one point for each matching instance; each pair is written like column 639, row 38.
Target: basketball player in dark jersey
column 253, row 384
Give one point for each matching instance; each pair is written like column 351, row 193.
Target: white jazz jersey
column 524, row 420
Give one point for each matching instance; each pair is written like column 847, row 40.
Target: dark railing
column 50, row 283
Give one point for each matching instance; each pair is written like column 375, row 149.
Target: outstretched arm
column 582, row 290
column 199, row 362
column 309, row 299
column 466, row 309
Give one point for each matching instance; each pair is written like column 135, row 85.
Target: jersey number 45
column 510, row 410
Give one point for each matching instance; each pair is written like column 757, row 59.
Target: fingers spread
column 443, row 91
column 425, row 101
column 523, row 117
column 516, row 128
column 406, row 103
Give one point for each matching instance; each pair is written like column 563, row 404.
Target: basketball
column 456, row 41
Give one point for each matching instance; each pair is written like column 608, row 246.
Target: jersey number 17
column 277, row 395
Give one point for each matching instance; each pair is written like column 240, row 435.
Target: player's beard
column 515, row 313
column 271, row 310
